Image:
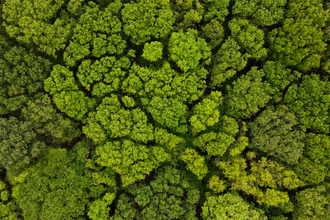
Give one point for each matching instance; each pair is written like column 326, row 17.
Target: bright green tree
column 153, row 51
column 230, row 206
column 195, row 162
column 145, row 19
column 187, row 49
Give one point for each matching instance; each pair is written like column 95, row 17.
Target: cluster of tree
column 164, row 109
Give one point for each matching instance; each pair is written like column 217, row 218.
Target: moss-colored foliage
column 45, row 120
column 309, row 100
column 227, row 61
column 96, row 33
column 21, row 76
column 314, row 167
column 278, row 77
column 317, row 206
column 99, row 209
column 103, row 76
column 169, row 195
column 273, row 133
column 230, row 206
column 144, row 19
column 213, row 32
column 19, row 144
column 216, row 10
column 132, row 161
column 263, row 13
column 7, row 207
column 299, row 42
column 248, row 94
column 56, row 190
column 165, row 82
column 153, row 51
column 249, row 37
column 170, row 113
column 40, row 22
column 265, row 179
column 187, row 49
column 111, row 120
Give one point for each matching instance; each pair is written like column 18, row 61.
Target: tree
column 19, row 143
column 103, row 76
column 56, row 189
column 7, row 207
column 170, row 113
column 186, row 49
column 216, row 10
column 96, row 33
column 310, row 102
column 99, row 209
column 265, row 179
column 249, row 37
column 313, row 168
column 213, row 32
column 230, row 206
column 262, row 13
column 317, row 206
column 227, row 61
column 111, row 120
column 195, row 162
column 146, row 19
column 248, row 94
column 169, row 195
column 279, row 78
column 206, row 112
column 273, row 133
column 21, row 77
column 299, row 42
column 132, row 161
column 153, row 51
column 46, row 121
column 39, row 22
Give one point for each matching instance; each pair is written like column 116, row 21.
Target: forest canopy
column 164, row 109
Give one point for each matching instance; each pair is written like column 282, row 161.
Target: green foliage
column 96, row 33
column 170, row 113
column 273, row 133
column 230, row 206
column 249, row 37
column 75, row 104
column 99, row 209
column 124, row 209
column 265, row 179
column 299, row 42
column 21, row 76
column 168, row 196
column 216, row 10
column 263, row 13
column 145, row 19
column 165, row 82
column 206, row 112
column 153, row 51
column 213, row 32
column 313, row 168
column 132, row 161
column 195, row 162
column 111, row 120
column 216, row 184
column 45, row 120
column 61, row 79
column 19, row 144
column 39, row 22
column 227, row 61
column 103, row 76
column 55, row 190
column 7, row 208
column 317, row 206
column 278, row 77
column 186, row 49
column 310, row 102
column 248, row 94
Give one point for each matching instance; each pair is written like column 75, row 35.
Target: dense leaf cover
column 164, row 109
